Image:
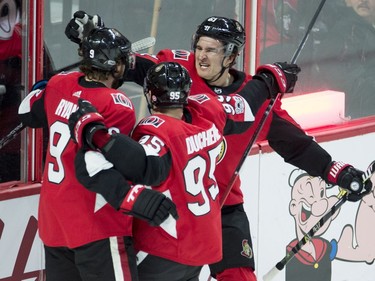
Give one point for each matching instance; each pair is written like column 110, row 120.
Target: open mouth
column 305, row 212
column 204, row 65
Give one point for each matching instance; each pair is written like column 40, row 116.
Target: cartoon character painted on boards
column 309, row 202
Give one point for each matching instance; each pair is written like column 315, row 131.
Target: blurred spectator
column 276, row 22
column 347, row 57
column 284, row 23
column 10, row 85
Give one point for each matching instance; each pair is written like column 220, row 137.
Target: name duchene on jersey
column 203, row 139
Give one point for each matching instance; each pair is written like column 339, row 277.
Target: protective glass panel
column 171, row 22
column 10, row 86
column 339, row 53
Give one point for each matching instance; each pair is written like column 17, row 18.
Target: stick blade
column 270, row 275
column 143, row 44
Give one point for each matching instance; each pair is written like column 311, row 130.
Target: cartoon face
column 9, row 17
column 309, row 203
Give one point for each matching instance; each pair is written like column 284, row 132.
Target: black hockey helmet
column 229, row 31
column 169, row 84
column 104, row 46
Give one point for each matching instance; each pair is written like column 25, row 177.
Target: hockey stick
column 268, row 110
column 143, row 44
column 153, row 32
column 342, row 196
column 307, row 33
column 12, row 134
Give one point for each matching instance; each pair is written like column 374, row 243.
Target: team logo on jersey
column 199, row 98
column 181, row 54
column 120, row 98
column 223, row 150
column 153, row 121
column 247, row 252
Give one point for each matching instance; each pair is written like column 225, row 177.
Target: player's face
column 209, row 60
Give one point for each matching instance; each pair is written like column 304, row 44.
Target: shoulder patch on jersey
column 181, row 54
column 152, row 121
column 120, row 98
column 77, row 94
column 201, row 98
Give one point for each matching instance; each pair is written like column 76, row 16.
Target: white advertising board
column 21, row 250
column 270, row 205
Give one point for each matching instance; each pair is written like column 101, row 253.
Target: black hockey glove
column 280, row 77
column 149, row 205
column 80, row 26
column 83, row 124
column 348, row 178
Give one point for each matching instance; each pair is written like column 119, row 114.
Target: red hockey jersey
column 246, row 100
column 195, row 238
column 69, row 214
column 234, row 146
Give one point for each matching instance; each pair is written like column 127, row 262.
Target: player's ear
column 119, row 70
column 230, row 60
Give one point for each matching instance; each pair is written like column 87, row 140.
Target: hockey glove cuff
column 84, row 123
column 279, row 77
column 149, row 205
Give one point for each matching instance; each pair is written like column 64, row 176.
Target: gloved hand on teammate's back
column 141, row 202
column 80, row 26
column 84, row 123
column 280, row 77
column 348, row 178
column 149, row 205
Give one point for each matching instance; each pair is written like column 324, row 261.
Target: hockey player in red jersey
column 84, row 238
column 177, row 249
column 216, row 44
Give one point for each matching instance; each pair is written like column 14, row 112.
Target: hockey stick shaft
column 12, row 134
column 307, row 33
column 268, row 109
column 143, row 44
column 307, row 237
